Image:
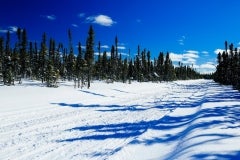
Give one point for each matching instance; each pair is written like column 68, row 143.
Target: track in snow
column 120, row 121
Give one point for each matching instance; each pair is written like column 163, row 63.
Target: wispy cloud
column 207, row 67
column 3, row 30
column 49, row 17
column 11, row 29
column 81, row 15
column 176, row 57
column 191, row 54
column 121, row 47
column 181, row 41
column 83, row 47
column 102, row 20
column 189, row 61
column 205, row 53
column 138, row 20
column 219, row 51
column 189, row 57
column 105, row 46
column 109, row 54
column 75, row 25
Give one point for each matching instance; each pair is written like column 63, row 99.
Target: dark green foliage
column 228, row 68
column 53, row 61
column 89, row 56
column 1, row 58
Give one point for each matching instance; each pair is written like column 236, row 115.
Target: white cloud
column 83, row 47
column 189, row 61
column 219, row 51
column 205, row 68
column 3, row 30
column 97, row 53
column 192, row 51
column 11, row 29
column 121, row 47
column 105, row 46
column 101, row 20
column 205, row 52
column 176, row 57
column 109, row 54
column 75, row 25
column 81, row 15
column 49, row 17
column 123, row 54
column 208, row 66
column 181, row 40
column 188, row 58
column 190, row 55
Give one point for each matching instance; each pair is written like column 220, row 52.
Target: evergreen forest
column 50, row 62
column 228, row 68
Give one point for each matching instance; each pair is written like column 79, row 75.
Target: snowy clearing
column 195, row 119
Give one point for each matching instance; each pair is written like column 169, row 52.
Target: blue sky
column 191, row 30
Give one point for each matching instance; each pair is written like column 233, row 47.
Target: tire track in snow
column 47, row 129
column 199, row 97
column 181, row 101
column 115, row 146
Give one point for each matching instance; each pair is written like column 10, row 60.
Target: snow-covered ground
column 195, row 119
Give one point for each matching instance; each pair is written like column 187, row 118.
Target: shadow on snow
column 231, row 115
column 95, row 94
column 110, row 108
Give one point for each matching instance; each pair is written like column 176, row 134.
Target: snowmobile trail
column 182, row 119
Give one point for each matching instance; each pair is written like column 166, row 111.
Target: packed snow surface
column 195, row 119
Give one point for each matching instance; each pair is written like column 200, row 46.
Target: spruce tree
column 104, row 65
column 89, row 56
column 1, row 58
column 24, row 59
column 42, row 58
column 7, row 63
column 149, row 66
column 160, row 66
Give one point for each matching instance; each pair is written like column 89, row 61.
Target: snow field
column 195, row 119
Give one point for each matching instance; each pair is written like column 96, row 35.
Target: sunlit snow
column 195, row 119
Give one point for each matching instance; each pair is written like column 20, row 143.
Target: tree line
column 228, row 68
column 49, row 62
